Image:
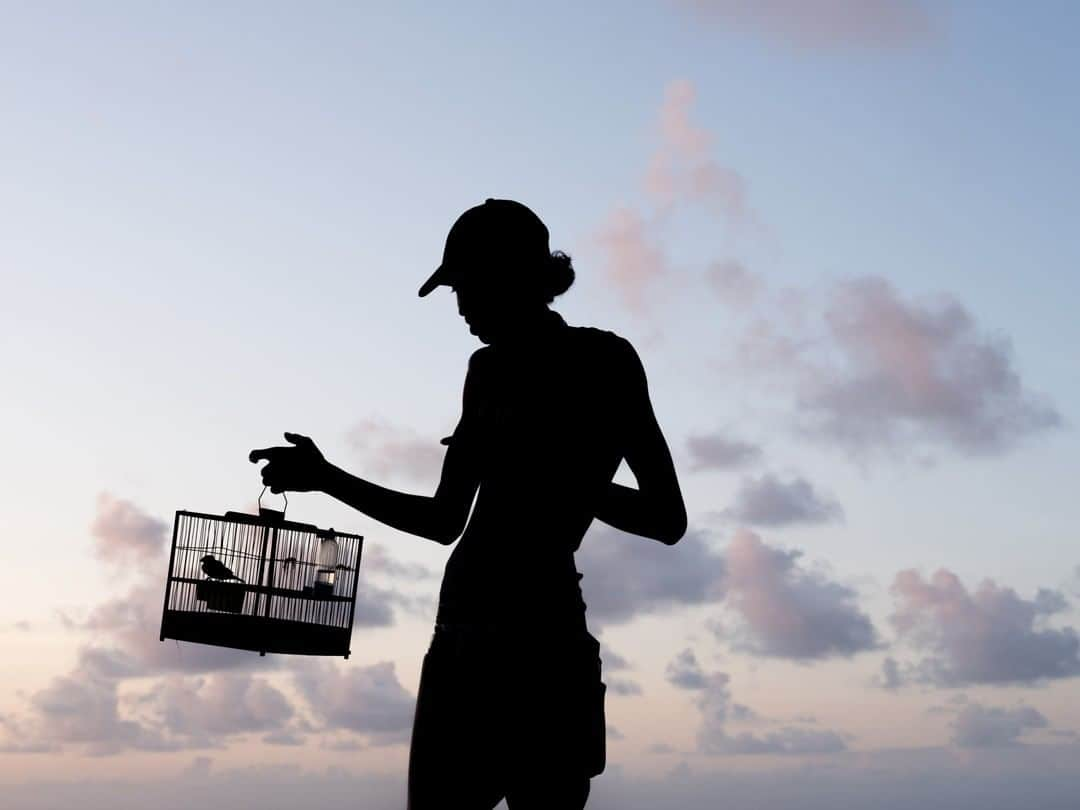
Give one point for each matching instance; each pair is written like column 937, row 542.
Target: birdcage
column 261, row 582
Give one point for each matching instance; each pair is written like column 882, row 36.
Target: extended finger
column 266, row 453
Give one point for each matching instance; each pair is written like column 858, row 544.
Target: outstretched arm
column 440, row 517
column 656, row 508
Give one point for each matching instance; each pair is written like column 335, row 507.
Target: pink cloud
column 877, row 372
column 682, row 169
column 788, row 610
column 391, row 451
column 635, row 264
column 124, row 533
column 987, row 635
column 680, row 173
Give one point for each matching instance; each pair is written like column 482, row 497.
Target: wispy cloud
column 681, row 173
column 712, row 697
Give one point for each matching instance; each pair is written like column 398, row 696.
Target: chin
column 480, row 332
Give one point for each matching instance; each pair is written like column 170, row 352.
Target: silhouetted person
column 511, row 701
column 216, row 569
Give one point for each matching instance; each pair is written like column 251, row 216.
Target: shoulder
column 607, row 346
column 480, row 359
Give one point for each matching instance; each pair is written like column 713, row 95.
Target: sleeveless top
column 543, row 423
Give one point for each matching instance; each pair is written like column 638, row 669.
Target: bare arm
column 440, row 517
column 656, row 508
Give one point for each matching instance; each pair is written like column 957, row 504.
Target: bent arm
column 439, row 517
column 442, row 516
column 656, row 508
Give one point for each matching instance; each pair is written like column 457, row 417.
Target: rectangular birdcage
column 260, row 582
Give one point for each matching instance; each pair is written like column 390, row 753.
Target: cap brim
column 436, row 279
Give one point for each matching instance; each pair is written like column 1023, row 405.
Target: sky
column 840, row 234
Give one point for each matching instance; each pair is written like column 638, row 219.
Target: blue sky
column 218, row 218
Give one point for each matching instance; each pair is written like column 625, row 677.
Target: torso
column 549, row 443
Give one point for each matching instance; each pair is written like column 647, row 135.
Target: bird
column 216, row 569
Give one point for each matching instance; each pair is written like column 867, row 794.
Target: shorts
column 497, row 707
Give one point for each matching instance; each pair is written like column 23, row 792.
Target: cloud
column 365, row 700
column 786, row 610
column 734, row 284
column 890, row 674
column 915, row 371
column 767, row 501
column 681, row 173
column 626, row 576
column 612, row 661
column 978, row 726
column 395, row 452
column 377, row 560
column 623, row 687
column 123, row 533
column 685, row 672
column 989, row 635
column 682, row 169
column 83, row 708
column 717, row 709
column 204, row 710
column 634, row 263
column 820, row 24
column 718, row 452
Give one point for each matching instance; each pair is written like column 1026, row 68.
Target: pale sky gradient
column 840, row 233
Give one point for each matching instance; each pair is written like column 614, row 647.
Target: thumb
column 297, row 439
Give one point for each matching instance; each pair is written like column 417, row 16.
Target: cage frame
column 271, row 521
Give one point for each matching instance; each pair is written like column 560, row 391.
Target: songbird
column 216, row 569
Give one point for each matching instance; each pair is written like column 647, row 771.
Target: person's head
column 499, row 265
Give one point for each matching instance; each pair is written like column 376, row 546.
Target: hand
column 292, row 469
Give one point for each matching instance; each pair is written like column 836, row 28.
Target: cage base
column 257, row 633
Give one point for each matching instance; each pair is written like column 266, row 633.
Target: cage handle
column 283, row 495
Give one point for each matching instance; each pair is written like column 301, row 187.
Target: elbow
column 444, row 538
column 672, row 535
column 674, row 531
column 444, row 534
column 445, row 529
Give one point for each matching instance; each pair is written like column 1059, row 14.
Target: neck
column 530, row 328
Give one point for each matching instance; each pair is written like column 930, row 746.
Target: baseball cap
column 493, row 236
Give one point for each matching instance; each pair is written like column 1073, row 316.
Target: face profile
column 491, row 308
